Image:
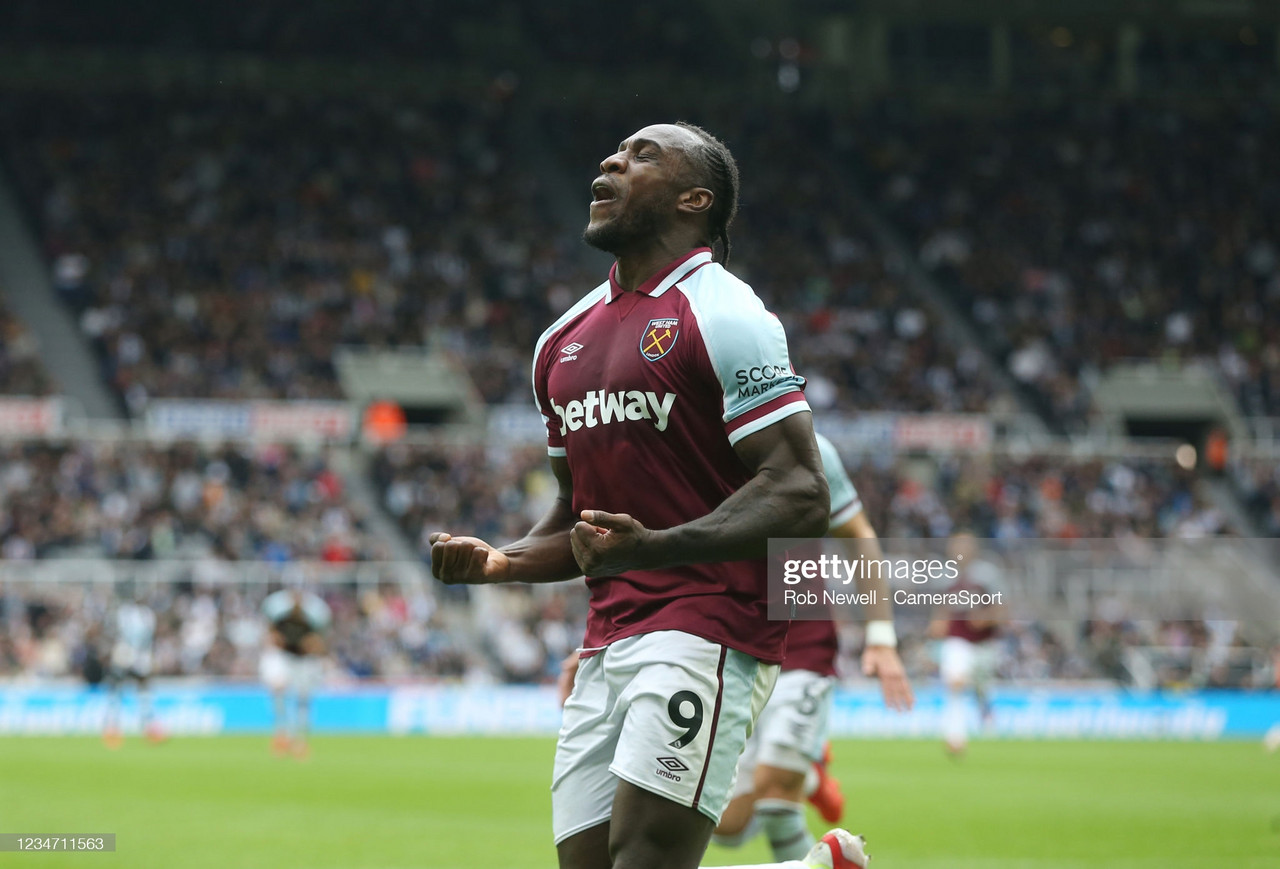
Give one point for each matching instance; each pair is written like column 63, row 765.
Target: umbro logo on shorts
column 569, row 352
column 669, row 767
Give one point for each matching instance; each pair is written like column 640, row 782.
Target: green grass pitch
column 444, row 803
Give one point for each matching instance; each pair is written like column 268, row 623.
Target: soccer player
column 131, row 661
column 790, row 737
column 681, row 442
column 293, row 660
column 967, row 656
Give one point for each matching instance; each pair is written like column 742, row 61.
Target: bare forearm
column 786, row 496
column 544, row 554
column 871, row 581
column 771, row 504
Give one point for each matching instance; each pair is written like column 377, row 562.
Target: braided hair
column 713, row 167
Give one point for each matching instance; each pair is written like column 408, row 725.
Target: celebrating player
column 681, row 442
column 967, row 657
column 131, row 661
column 789, row 739
column 293, row 660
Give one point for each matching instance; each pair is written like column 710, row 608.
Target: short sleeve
column 543, row 357
column 318, row 613
column 271, row 607
column 748, row 350
column 552, row 421
column 845, row 503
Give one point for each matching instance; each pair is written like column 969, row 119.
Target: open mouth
column 602, row 192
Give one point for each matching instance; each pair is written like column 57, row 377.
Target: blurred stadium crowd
column 225, row 246
column 1098, row 233
column 224, row 249
column 180, row 229
column 97, row 499
column 216, row 505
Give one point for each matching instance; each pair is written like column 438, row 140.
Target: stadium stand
column 1259, row 480
column 260, row 226
column 224, row 248
column 1079, row 237
column 205, row 629
column 137, row 501
column 1042, row 497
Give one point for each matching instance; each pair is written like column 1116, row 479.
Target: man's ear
column 695, row 200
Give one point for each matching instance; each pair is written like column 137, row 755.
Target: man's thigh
column 586, row 849
column 649, row 831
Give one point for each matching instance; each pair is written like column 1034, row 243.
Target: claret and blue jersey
column 645, row 394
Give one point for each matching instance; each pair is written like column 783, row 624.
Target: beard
column 642, row 221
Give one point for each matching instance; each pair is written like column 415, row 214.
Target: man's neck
column 634, row 268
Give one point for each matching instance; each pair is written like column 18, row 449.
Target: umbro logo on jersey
column 569, row 352
column 603, row 408
column 659, row 337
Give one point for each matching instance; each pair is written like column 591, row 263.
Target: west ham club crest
column 659, row 337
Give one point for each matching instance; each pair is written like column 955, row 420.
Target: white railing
column 210, row 571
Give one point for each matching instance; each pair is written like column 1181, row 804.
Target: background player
column 131, row 662
column 652, row 412
column 790, row 736
column 968, row 652
column 293, row 660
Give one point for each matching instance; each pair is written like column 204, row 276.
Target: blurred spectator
column 21, row 372
column 1259, row 482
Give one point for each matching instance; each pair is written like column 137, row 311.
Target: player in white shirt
column 293, row 661
column 135, row 631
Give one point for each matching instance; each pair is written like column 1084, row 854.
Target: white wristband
column 881, row 634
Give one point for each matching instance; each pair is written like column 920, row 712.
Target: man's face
column 635, row 196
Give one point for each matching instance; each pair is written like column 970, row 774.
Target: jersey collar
column 666, row 277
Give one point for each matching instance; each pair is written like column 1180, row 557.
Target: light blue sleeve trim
column 845, row 503
column 746, row 344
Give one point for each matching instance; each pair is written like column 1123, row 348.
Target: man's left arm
column 786, row 497
column 880, row 655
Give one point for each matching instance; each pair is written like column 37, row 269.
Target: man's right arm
column 542, row 555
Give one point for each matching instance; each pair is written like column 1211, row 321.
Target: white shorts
column 970, row 663
column 668, row 712
column 127, row 660
column 280, row 670
column 792, row 730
